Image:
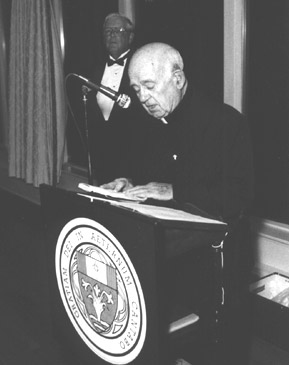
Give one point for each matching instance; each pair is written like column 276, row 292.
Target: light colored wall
column 127, row 8
column 271, row 246
column 234, row 52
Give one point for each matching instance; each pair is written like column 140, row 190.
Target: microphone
column 123, row 100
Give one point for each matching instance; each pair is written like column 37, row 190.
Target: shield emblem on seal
column 98, row 285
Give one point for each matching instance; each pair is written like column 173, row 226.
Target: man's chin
column 156, row 114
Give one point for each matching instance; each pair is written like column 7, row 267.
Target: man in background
column 113, row 129
column 198, row 154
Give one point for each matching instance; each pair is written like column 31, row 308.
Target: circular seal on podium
column 100, row 291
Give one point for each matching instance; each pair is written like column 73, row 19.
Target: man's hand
column 153, row 190
column 118, row 185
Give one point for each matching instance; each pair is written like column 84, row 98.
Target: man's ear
column 131, row 37
column 179, row 78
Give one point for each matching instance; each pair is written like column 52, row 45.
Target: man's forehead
column 114, row 22
column 148, row 68
column 143, row 72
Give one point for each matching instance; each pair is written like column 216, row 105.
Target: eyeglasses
column 116, row 31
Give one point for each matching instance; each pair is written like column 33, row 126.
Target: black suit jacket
column 205, row 152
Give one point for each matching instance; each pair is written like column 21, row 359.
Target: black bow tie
column 119, row 61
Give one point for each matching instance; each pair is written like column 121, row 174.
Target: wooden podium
column 128, row 287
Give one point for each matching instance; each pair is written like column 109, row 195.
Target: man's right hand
column 118, row 185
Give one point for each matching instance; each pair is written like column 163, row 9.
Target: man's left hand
column 153, row 190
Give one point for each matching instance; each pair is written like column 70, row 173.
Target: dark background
column 268, row 106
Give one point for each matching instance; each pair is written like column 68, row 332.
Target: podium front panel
column 80, row 236
column 107, row 270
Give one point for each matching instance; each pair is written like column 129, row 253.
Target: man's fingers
column 109, row 186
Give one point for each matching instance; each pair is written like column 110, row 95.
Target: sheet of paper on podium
column 107, row 193
column 155, row 211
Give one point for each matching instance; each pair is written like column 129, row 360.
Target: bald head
column 158, row 55
column 157, row 76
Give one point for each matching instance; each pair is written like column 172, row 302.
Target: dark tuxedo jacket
column 205, row 152
column 113, row 143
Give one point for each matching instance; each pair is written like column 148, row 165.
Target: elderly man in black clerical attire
column 113, row 129
column 198, row 153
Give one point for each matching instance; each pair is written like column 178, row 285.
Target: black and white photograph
column 144, row 182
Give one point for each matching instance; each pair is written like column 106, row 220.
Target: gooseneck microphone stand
column 85, row 91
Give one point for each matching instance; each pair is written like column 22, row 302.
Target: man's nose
column 143, row 96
